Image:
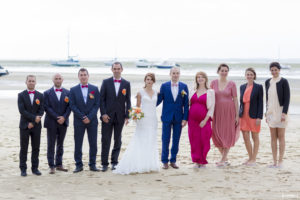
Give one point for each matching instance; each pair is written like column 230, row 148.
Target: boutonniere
column 37, row 101
column 92, row 95
column 124, row 91
column 67, row 99
column 183, row 93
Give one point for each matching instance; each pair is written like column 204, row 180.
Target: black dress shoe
column 94, row 169
column 23, row 173
column 113, row 166
column 78, row 169
column 36, row 172
column 104, row 168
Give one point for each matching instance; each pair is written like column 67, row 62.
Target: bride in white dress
column 141, row 154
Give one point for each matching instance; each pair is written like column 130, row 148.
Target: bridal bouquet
column 136, row 113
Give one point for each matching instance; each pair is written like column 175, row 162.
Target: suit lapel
column 253, row 91
column 179, row 90
column 111, row 82
column 120, row 88
column 80, row 94
column 53, row 95
column 170, row 90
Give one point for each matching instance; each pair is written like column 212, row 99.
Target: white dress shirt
column 31, row 96
column 174, row 90
column 58, row 93
column 84, row 93
column 117, row 86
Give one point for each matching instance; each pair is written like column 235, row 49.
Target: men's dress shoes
column 94, row 169
column 36, row 172
column 52, row 170
column 113, row 166
column 61, row 168
column 165, row 166
column 23, row 173
column 174, row 165
column 78, row 169
column 104, row 168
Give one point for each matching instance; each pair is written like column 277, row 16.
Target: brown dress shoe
column 165, row 166
column 174, row 165
column 52, row 170
column 60, row 168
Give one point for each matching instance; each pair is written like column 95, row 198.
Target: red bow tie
column 174, row 84
column 58, row 90
column 31, row 92
column 117, row 81
column 84, row 86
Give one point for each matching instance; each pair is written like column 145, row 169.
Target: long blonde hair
column 204, row 76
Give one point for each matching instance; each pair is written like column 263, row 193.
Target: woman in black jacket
column 251, row 113
column 278, row 100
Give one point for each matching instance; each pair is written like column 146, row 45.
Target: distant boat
column 66, row 63
column 110, row 62
column 143, row 63
column 69, row 62
column 166, row 65
column 285, row 66
column 3, row 71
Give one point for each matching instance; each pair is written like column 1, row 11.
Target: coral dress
column 246, row 122
column 225, row 132
column 199, row 137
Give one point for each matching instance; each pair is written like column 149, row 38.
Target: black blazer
column 80, row 108
column 256, row 101
column 55, row 107
column 113, row 105
column 29, row 112
column 283, row 93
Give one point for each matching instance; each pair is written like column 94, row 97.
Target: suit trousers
column 92, row 138
column 35, row 135
column 107, row 130
column 55, row 135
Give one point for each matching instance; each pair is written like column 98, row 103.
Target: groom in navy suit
column 56, row 103
column 174, row 95
column 84, row 102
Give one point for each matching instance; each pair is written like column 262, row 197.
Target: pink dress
column 199, row 137
column 225, row 132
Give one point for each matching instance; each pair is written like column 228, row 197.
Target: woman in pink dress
column 201, row 112
column 226, row 116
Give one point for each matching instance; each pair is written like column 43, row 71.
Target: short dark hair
column 250, row 69
column 83, row 70
column 117, row 63
column 222, row 65
column 30, row 76
column 275, row 64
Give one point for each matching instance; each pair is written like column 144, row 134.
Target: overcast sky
column 38, row 29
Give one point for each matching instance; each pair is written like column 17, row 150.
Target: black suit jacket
column 29, row 112
column 55, row 107
column 283, row 93
column 80, row 108
column 256, row 101
column 113, row 105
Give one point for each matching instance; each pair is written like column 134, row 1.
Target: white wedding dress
column 141, row 154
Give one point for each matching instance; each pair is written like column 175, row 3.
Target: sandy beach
column 233, row 182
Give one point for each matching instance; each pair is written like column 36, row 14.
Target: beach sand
column 233, row 182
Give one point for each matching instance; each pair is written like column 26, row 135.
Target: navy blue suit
column 173, row 112
column 88, row 109
column 56, row 132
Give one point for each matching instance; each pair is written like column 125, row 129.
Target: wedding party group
column 210, row 110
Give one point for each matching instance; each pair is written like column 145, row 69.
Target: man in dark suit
column 84, row 102
column 31, row 108
column 56, row 103
column 114, row 105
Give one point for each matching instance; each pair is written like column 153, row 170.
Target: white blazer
column 210, row 103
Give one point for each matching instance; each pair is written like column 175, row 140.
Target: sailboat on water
column 69, row 62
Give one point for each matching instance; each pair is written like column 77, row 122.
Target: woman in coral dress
column 251, row 113
column 226, row 116
column 199, row 124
